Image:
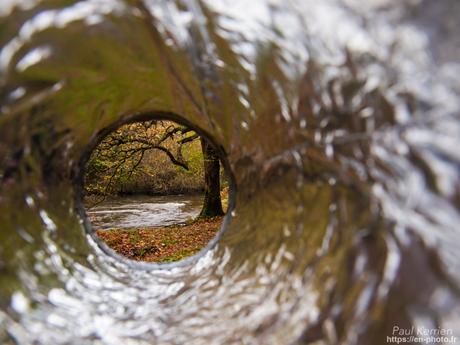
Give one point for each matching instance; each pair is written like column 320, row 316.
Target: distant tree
column 212, row 205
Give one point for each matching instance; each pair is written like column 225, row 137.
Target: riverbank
column 161, row 244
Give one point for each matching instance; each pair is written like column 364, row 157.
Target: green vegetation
column 155, row 157
column 126, row 162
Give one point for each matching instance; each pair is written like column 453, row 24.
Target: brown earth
column 161, row 244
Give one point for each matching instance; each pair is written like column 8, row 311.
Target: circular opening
column 155, row 189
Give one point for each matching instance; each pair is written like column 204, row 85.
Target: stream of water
column 144, row 211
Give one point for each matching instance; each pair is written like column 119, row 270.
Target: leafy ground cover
column 162, row 244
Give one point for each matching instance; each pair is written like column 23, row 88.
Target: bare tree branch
column 122, row 151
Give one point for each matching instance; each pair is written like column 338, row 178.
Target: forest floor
column 162, row 244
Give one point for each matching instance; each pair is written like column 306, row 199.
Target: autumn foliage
column 162, row 244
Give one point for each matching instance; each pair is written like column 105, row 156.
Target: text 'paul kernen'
column 422, row 334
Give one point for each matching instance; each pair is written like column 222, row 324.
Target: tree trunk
column 212, row 205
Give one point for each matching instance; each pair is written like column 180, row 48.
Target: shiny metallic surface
column 340, row 119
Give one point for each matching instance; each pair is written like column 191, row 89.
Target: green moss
column 179, row 255
column 169, row 241
column 134, row 237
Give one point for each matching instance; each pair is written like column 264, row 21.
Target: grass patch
column 161, row 244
